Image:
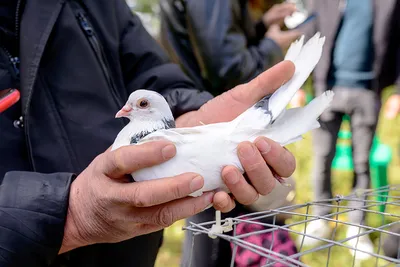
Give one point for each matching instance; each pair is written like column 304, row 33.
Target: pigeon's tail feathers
column 294, row 49
column 295, row 122
column 305, row 58
column 304, row 62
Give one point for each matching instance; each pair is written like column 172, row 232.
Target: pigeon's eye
column 142, row 103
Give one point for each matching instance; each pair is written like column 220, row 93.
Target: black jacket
column 216, row 42
column 79, row 63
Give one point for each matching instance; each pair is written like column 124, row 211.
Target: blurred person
column 218, row 44
column 65, row 198
column 360, row 58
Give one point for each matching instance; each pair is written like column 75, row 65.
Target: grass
column 388, row 132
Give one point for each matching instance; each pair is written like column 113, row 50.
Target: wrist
column 71, row 239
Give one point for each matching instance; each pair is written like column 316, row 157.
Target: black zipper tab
column 98, row 50
column 19, row 123
column 15, row 62
column 85, row 24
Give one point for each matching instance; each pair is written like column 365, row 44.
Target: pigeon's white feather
column 294, row 49
column 207, row 149
column 305, row 58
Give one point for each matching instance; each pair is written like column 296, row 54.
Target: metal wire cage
column 381, row 205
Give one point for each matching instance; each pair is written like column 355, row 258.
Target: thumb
column 264, row 84
column 127, row 159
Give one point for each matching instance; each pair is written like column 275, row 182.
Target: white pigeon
column 206, row 149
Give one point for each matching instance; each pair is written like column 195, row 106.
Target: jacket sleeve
column 221, row 47
column 145, row 65
column 33, row 209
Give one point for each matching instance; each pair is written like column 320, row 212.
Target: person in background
column 217, row 43
column 65, row 198
column 360, row 58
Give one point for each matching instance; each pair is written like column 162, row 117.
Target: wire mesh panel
column 381, row 206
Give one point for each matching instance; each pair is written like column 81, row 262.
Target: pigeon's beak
column 124, row 112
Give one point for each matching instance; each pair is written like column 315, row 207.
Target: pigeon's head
column 144, row 105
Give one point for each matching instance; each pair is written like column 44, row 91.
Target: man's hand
column 105, row 208
column 253, row 157
column 283, row 38
column 277, row 13
column 299, row 99
column 392, row 107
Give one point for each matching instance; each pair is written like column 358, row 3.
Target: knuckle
column 164, row 217
column 176, row 191
column 139, row 199
column 117, row 161
column 254, row 166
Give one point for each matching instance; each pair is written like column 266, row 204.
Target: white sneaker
column 318, row 229
column 364, row 243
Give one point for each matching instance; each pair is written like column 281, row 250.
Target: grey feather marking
column 263, row 104
column 168, row 124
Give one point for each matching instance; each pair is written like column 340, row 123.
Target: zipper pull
column 15, row 62
column 85, row 25
column 19, row 123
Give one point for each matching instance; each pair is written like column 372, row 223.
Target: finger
column 256, row 169
column 128, row 159
column 223, row 202
column 265, row 83
column 158, row 191
column 287, row 8
column 166, row 214
column 292, row 35
column 238, row 186
column 276, row 156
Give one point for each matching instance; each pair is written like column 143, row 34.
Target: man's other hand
column 105, row 208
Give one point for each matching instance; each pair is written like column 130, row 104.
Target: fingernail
column 232, row 177
column 247, row 151
column 196, row 183
column 168, row 151
column 263, row 146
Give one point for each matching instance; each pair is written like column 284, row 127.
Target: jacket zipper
column 96, row 46
column 13, row 60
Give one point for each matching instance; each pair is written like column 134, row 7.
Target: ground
column 388, row 132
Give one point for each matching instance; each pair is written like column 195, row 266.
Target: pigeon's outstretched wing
column 295, row 122
column 305, row 58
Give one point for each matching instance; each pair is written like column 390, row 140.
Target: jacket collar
column 37, row 23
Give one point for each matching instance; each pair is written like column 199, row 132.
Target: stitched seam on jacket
column 74, row 162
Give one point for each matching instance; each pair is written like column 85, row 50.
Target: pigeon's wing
column 186, row 134
column 295, row 122
column 294, row 49
column 263, row 113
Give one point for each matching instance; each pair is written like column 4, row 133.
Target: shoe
column 364, row 243
column 318, row 229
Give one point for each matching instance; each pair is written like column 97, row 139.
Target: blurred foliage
column 145, row 6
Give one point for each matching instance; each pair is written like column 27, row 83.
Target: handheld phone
column 297, row 19
column 8, row 97
column 307, row 20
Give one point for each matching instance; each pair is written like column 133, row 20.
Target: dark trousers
column 362, row 105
